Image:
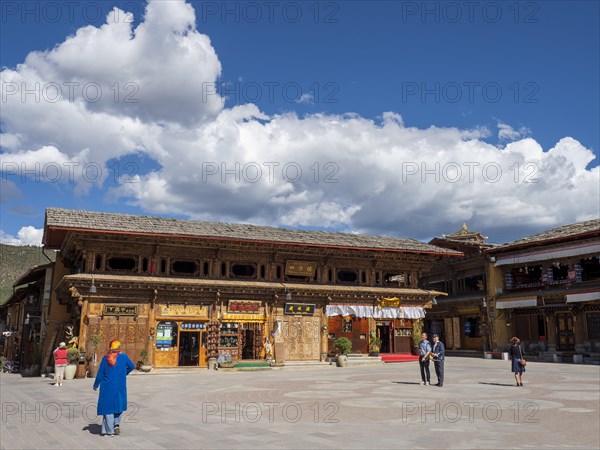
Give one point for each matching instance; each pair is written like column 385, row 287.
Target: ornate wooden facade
column 159, row 292
column 545, row 289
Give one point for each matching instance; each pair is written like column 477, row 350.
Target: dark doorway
column 189, row 348
column 383, row 331
column 248, row 350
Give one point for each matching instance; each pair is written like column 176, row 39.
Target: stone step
column 358, row 360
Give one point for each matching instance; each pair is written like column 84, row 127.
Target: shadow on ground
column 93, row 428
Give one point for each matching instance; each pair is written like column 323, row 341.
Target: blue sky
column 388, row 99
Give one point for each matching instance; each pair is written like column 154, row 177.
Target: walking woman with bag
column 112, row 401
column 518, row 362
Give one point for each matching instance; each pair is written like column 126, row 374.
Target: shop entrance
column 180, row 344
column 248, row 350
column 189, row 348
column 384, row 333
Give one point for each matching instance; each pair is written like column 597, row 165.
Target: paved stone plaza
column 317, row 407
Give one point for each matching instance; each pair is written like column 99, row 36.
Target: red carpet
column 397, row 357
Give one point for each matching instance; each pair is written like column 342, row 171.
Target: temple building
column 545, row 289
column 460, row 318
column 186, row 290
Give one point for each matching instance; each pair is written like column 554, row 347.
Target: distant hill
column 15, row 261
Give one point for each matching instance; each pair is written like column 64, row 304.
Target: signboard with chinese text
column 120, row 310
column 300, row 268
column 302, row 309
column 244, row 306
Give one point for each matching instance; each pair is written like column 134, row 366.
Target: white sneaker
column 422, row 383
column 60, row 384
column 428, row 383
column 56, row 384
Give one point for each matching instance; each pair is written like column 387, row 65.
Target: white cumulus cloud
column 26, row 236
column 238, row 164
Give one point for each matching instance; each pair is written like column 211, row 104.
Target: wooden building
column 545, row 289
column 187, row 290
column 461, row 318
column 25, row 318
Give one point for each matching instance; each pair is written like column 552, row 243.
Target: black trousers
column 425, row 375
column 439, row 371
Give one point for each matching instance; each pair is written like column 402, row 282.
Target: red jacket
column 60, row 356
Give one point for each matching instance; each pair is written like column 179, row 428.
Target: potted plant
column 374, row 344
column 143, row 363
column 72, row 360
column 93, row 363
column 81, row 366
column 343, row 345
column 416, row 335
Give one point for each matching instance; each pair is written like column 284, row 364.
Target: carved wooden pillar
column 413, row 280
column 324, row 330
column 278, row 341
column 89, row 261
column 83, row 327
column 454, row 284
column 551, row 330
column 578, row 322
column 151, row 318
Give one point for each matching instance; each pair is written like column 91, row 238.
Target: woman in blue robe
column 112, row 401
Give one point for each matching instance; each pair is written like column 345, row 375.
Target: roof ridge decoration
column 465, row 235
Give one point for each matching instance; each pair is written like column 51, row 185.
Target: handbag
column 522, row 361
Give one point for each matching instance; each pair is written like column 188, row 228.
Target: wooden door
column 456, row 330
column 449, row 333
column 301, row 338
column 566, row 334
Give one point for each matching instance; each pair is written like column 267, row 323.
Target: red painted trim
column 138, row 233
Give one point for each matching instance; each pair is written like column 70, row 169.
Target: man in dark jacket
column 438, row 352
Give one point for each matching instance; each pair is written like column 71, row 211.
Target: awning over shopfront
column 522, row 302
column 363, row 311
column 583, row 297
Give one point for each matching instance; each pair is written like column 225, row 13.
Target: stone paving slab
column 356, row 407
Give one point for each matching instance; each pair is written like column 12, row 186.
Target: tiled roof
column 127, row 223
column 564, row 232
